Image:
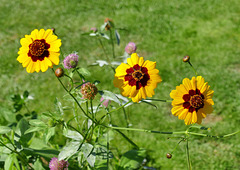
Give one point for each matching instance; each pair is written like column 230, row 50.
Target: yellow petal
column 55, row 46
column 193, row 83
column 44, row 66
column 150, row 65
column 37, row 66
column 34, row 34
column 176, row 110
column 194, row 117
column 26, row 62
column 187, row 84
column 41, row 34
column 121, row 69
column 188, row 119
column 183, row 114
column 51, row 38
column 29, row 67
column 47, row 33
column 54, row 57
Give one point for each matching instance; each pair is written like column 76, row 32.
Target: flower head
column 89, row 90
column 109, row 24
column 137, row 79
column 131, row 48
column 39, row 50
column 71, row 61
column 192, row 100
column 55, row 164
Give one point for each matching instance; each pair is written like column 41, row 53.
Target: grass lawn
column 164, row 31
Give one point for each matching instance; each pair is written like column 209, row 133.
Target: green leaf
column 68, row 150
column 86, row 149
column 117, row 37
column 84, row 72
column 10, row 162
column 132, row 159
column 72, row 134
column 37, row 122
column 25, row 94
column 109, row 95
column 23, row 125
column 46, row 153
column 105, row 36
column 49, row 133
column 38, row 165
column 4, row 129
column 34, row 129
column 58, row 106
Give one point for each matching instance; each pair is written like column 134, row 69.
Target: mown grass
column 164, row 31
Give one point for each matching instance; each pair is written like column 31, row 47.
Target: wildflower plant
column 83, row 141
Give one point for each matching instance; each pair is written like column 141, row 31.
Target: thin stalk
column 71, row 81
column 107, row 150
column 160, row 100
column 192, row 67
column 73, row 98
column 173, row 133
column 188, row 156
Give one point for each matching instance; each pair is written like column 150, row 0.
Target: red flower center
column 38, row 50
column 193, row 101
column 196, row 101
column 137, row 76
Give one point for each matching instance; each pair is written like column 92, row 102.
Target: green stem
column 192, row 67
column 160, row 100
column 173, row 133
column 188, row 156
column 71, row 81
column 73, row 98
column 115, row 110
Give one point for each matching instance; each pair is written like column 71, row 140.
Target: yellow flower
column 39, row 50
column 137, row 79
column 192, row 100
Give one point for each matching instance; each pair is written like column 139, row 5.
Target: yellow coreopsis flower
column 137, row 79
column 39, row 50
column 192, row 100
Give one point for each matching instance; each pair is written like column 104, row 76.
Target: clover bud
column 59, row 72
column 186, row 58
column 89, row 91
column 71, row 61
column 131, row 48
column 169, row 156
column 94, row 29
column 55, row 164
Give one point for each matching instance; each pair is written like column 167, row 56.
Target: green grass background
column 164, row 31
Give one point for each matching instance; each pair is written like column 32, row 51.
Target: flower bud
column 89, row 91
column 94, row 29
column 53, row 30
column 186, row 58
column 169, row 156
column 71, row 61
column 109, row 23
column 131, row 48
column 59, row 72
